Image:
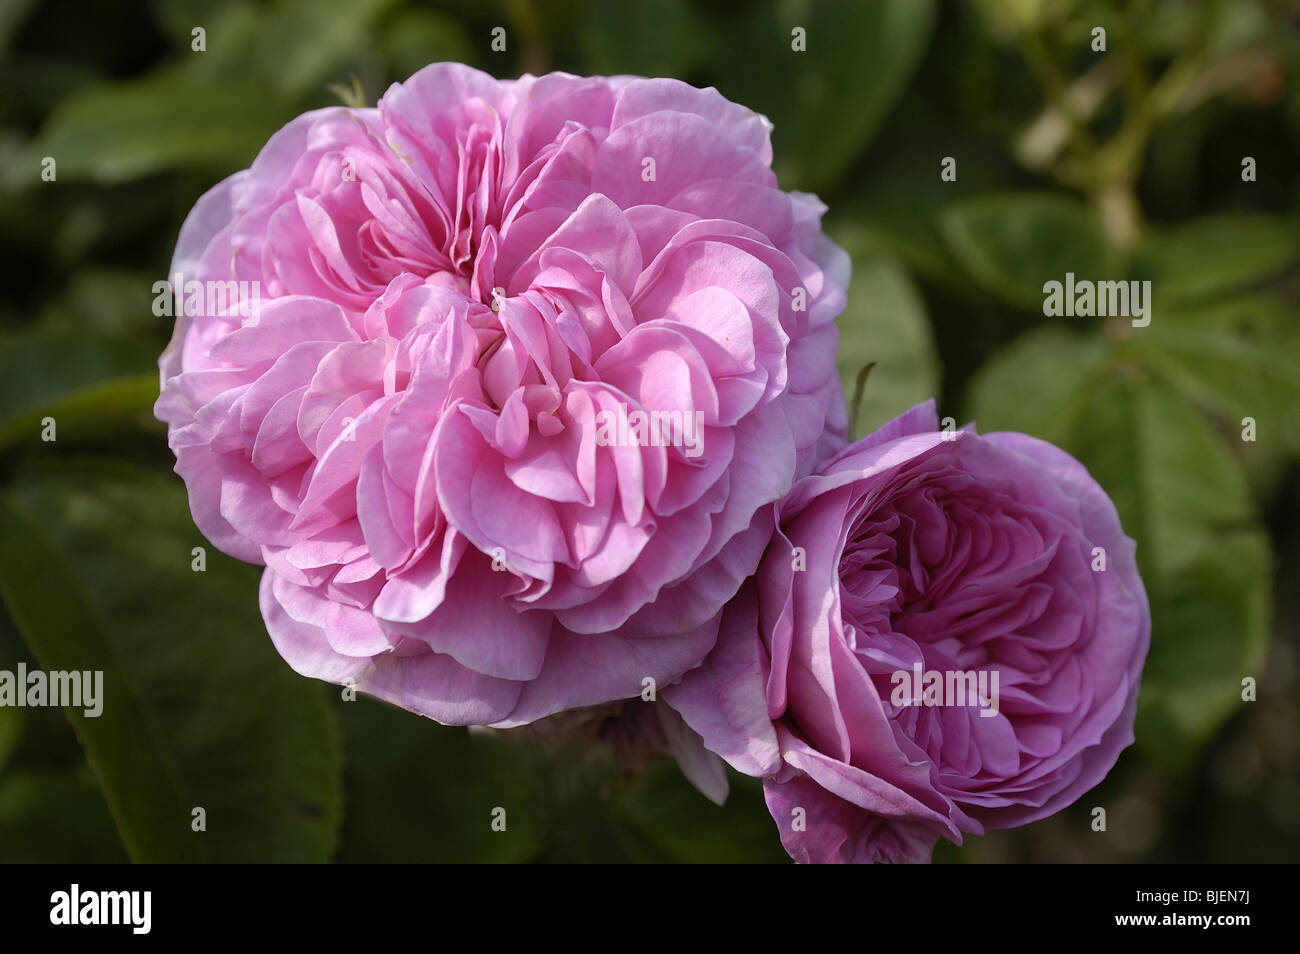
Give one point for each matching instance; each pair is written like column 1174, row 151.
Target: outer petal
column 723, row 699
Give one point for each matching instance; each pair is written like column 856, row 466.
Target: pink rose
column 528, row 361
column 945, row 635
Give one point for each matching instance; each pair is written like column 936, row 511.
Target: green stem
column 856, row 404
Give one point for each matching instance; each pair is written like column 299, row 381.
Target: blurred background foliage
column 1122, row 163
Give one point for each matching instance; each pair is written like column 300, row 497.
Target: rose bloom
column 460, row 295
column 914, row 552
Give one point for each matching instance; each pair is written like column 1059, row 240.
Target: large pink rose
column 946, row 635
column 430, row 426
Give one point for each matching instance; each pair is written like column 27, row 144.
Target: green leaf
column 175, row 19
column 1014, row 243
column 1037, row 383
column 1238, row 358
column 1178, row 489
column 11, row 731
column 55, row 817
column 884, row 322
column 1213, row 255
column 168, row 119
column 422, row 792
column 1210, row 623
column 414, row 38
column 92, row 355
column 642, row 37
column 827, row 101
column 325, row 34
column 96, row 411
column 669, row 821
column 12, row 15
column 41, row 365
column 251, row 42
column 566, row 799
column 198, row 710
column 898, row 196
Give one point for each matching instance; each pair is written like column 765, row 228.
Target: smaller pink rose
column 932, row 645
